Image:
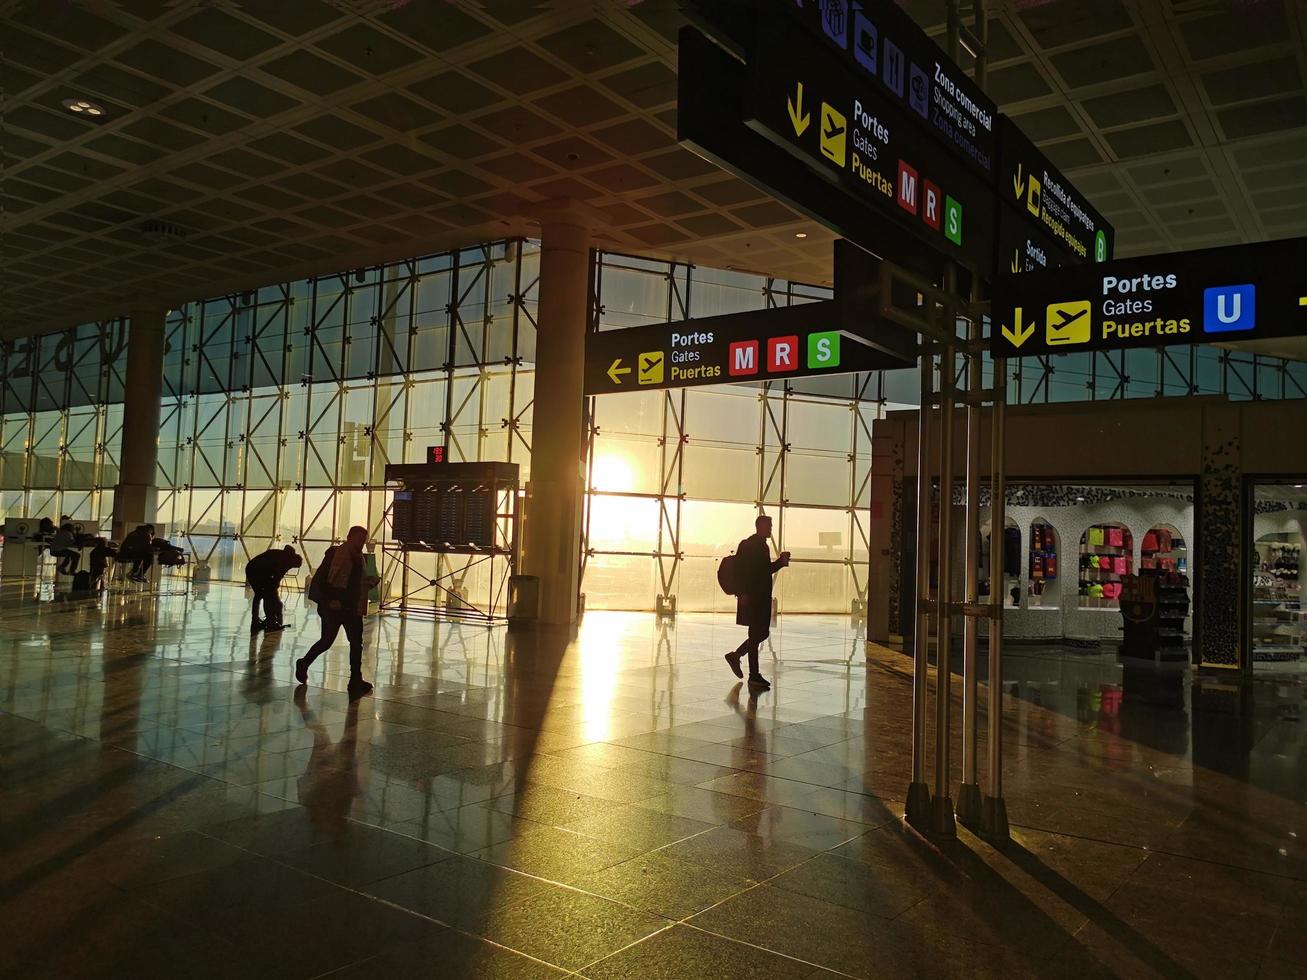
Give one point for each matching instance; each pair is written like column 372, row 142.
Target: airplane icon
column 1067, row 323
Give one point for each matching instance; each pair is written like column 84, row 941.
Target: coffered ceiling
column 249, row 142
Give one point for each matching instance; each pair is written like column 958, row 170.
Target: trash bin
column 523, row 598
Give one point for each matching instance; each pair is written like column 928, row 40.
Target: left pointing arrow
column 615, row 371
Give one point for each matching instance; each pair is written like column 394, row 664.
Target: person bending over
column 263, row 574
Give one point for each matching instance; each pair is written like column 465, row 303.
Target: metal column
column 993, row 813
column 969, row 791
column 941, row 809
column 918, row 803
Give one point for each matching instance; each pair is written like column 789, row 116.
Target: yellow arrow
column 1019, row 184
column 615, row 370
column 1021, row 334
column 798, row 118
column 1016, row 260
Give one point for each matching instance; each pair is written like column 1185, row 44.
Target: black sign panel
column 710, row 121
column 882, row 43
column 1045, row 203
column 1213, row 296
column 762, row 345
column 839, row 123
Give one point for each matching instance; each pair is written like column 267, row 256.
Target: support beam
column 135, row 496
column 553, row 513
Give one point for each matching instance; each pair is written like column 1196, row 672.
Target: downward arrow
column 798, row 118
column 1019, row 184
column 1021, row 334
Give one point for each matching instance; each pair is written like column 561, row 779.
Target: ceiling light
column 800, row 234
column 83, row 107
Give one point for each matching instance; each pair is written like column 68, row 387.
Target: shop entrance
column 1097, row 569
column 1275, row 627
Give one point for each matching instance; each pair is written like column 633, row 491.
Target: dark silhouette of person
column 343, row 604
column 137, row 548
column 63, row 545
column 100, row 556
column 754, row 571
column 263, row 574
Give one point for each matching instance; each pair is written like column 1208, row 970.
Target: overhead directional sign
column 711, row 92
column 879, row 41
column 1212, row 296
column 1041, row 204
column 839, row 122
column 760, row 345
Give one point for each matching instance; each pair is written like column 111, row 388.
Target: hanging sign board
column 760, row 345
column 714, row 128
column 881, row 43
column 1212, row 296
column 1041, row 204
column 843, row 127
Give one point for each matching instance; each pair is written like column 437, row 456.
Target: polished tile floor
column 505, row 806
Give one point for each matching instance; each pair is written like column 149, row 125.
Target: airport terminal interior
column 653, row 489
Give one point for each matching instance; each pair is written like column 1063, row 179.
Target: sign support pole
column 918, row 802
column 969, row 792
column 941, row 810
column 993, row 813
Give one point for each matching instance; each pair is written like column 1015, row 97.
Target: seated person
column 45, row 528
column 63, row 546
column 137, row 547
column 100, row 555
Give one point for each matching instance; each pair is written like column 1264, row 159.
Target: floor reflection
column 615, row 804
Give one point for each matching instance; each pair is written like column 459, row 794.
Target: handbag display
column 1095, row 537
column 1115, row 537
column 1121, row 565
column 1150, row 542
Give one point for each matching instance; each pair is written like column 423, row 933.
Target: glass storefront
column 1276, row 629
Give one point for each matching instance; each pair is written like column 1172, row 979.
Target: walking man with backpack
column 340, row 588
column 751, row 574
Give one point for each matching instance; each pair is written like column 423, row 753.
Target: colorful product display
column 1105, row 557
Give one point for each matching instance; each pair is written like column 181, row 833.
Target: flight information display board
column 841, row 124
column 1212, row 296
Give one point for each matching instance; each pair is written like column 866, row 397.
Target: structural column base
column 941, row 817
column 993, row 820
column 969, row 805
column 917, row 810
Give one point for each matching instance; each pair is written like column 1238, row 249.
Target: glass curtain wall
column 282, row 406
column 677, row 477
column 61, row 421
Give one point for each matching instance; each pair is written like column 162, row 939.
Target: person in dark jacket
column 100, row 555
column 263, row 574
column 63, row 545
column 344, row 603
column 137, row 547
column 754, row 571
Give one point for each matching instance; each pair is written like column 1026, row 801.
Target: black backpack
column 726, row 574
column 318, row 584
